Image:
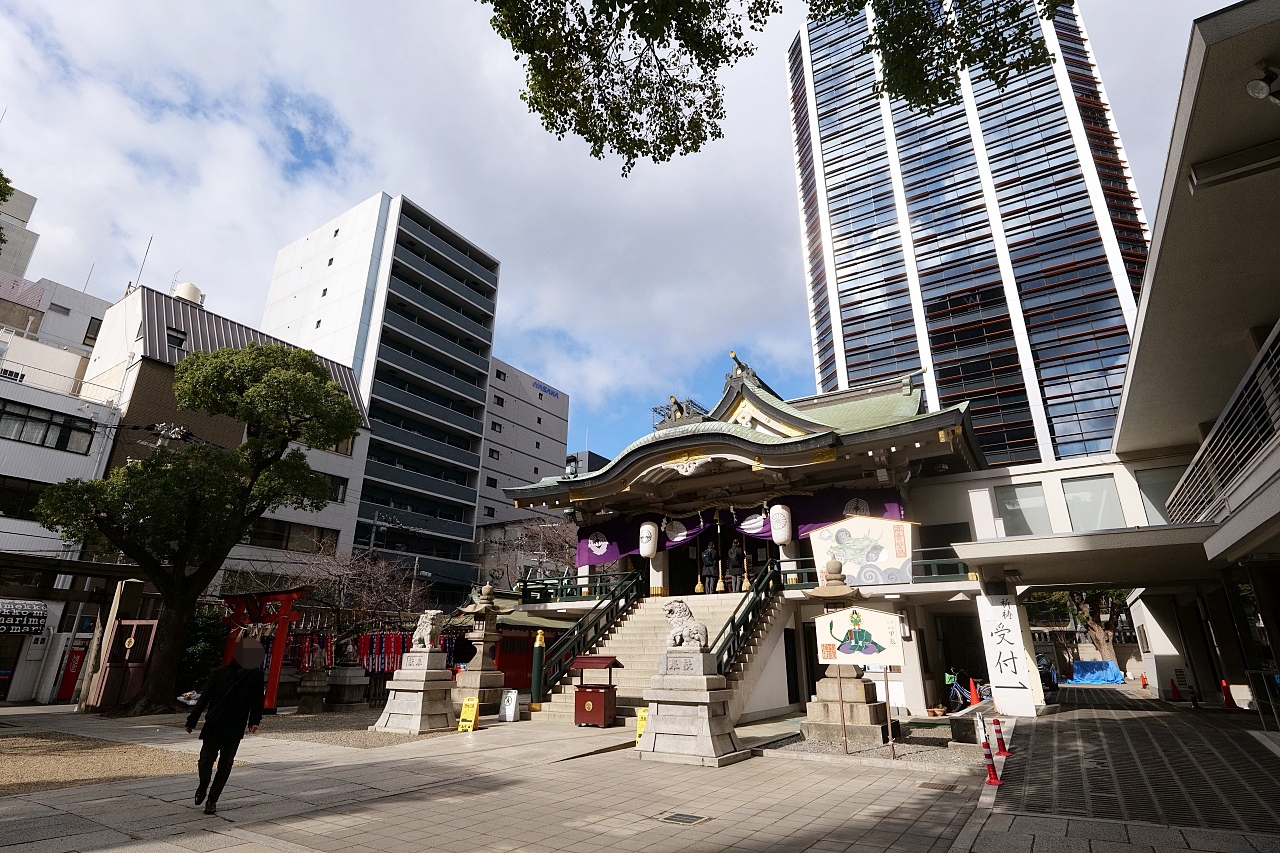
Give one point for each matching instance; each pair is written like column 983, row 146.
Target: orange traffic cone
column 1228, row 701
column 1144, row 681
column 1174, row 695
column 973, row 692
column 1001, row 749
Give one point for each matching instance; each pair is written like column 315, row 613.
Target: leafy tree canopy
column 179, row 511
column 6, row 193
column 639, row 78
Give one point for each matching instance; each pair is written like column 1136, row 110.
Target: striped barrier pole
column 992, row 778
column 1001, row 749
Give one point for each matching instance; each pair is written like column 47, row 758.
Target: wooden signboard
column 467, row 718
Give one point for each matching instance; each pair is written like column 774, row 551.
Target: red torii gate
column 274, row 608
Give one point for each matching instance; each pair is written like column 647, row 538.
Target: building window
column 494, row 454
column 488, row 512
column 335, row 232
column 91, row 333
column 499, row 400
column 324, row 293
column 494, row 426
column 1022, row 509
column 491, row 482
column 317, row 324
column 539, row 395
column 176, row 337
column 500, row 375
column 535, row 469
column 337, row 489
column 33, row 425
column 18, row 497
column 1156, row 484
column 59, row 309
column 345, row 447
column 288, row 536
column 1093, row 503
column 539, row 420
column 330, row 262
column 537, row 445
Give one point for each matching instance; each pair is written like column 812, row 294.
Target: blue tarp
column 1095, row 672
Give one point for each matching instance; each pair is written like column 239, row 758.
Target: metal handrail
column 1247, row 428
column 569, row 587
column 737, row 632
column 589, row 630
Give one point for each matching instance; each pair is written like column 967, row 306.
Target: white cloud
column 228, row 130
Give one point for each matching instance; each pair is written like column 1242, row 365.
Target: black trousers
column 222, row 751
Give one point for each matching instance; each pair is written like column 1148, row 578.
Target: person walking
column 710, row 568
column 737, row 559
column 231, row 700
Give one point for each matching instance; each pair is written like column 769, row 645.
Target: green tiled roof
column 870, row 412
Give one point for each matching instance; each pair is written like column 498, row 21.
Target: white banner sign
column 860, row 636
column 1002, row 642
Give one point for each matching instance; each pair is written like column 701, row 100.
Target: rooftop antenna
column 3, row 114
column 144, row 260
column 173, row 283
column 89, row 276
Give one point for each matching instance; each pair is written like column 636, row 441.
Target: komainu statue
column 427, row 634
column 685, row 630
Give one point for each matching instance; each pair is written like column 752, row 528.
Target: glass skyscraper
column 998, row 244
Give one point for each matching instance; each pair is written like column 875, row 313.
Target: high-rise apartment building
column 997, row 245
column 526, row 431
column 409, row 303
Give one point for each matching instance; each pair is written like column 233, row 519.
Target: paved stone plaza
column 545, row 787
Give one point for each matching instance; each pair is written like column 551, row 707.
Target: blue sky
column 227, row 131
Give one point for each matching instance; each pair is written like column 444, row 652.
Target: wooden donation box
column 595, row 704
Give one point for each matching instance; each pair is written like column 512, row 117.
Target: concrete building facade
column 997, row 246
column 19, row 241
column 409, row 303
column 526, row 432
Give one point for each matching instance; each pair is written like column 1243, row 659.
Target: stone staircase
column 639, row 639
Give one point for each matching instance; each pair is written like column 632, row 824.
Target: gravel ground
column 919, row 743
column 39, row 761
column 332, row 729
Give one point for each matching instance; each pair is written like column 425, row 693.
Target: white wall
column 297, row 298
column 38, row 653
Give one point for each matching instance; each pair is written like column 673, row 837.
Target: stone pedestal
column 418, row 696
column 347, row 688
column 689, row 713
column 312, row 686
column 866, row 721
column 484, row 684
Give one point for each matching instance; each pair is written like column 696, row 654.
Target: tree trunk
column 1102, row 641
column 167, row 647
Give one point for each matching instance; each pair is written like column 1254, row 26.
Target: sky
column 221, row 132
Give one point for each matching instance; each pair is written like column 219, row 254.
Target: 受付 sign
column 1002, row 640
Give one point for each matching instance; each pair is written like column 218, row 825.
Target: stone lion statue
column 685, row 630
column 427, row 634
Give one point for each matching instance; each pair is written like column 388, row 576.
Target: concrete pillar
column 913, row 685
column 1227, row 643
column 984, row 519
column 660, row 573
column 1155, row 618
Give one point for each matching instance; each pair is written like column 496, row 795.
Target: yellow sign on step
column 470, row 710
column 642, row 717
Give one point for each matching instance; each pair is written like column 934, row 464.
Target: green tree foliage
column 1095, row 610
column 6, row 193
column 206, row 640
column 639, row 78
column 178, row 512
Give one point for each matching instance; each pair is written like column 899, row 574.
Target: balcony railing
column 569, row 587
column 1247, row 429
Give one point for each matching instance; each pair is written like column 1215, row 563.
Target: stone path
column 1108, row 753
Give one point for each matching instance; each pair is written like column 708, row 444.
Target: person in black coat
column 710, row 568
column 231, row 700
column 737, row 559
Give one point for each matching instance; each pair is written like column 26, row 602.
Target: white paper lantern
column 780, row 524
column 648, row 540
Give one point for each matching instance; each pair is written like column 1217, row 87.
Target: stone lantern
column 482, row 678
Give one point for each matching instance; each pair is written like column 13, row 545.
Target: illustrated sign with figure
column 860, row 636
column 872, row 550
